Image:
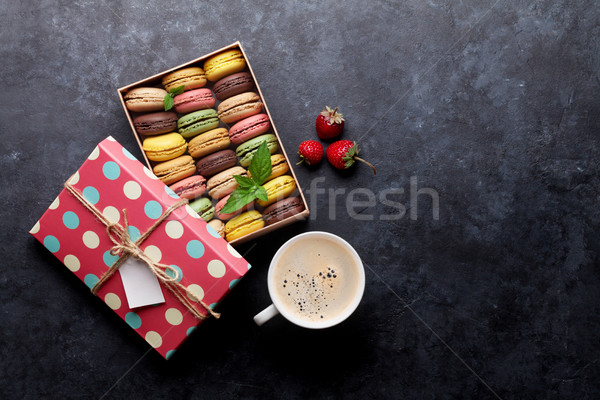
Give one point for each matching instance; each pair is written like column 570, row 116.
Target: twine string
column 124, row 247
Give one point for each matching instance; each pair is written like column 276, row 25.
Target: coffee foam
column 316, row 279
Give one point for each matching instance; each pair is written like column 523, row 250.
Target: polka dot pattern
column 94, row 154
column 171, row 193
column 169, row 354
column 112, row 180
column 128, row 154
column 154, row 339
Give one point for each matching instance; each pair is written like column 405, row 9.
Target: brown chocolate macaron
column 155, row 123
column 282, row 209
column 232, row 85
column 216, row 162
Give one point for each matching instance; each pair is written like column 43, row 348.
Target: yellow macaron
column 164, row 147
column 277, row 189
column 243, row 224
column 223, row 64
column 190, row 78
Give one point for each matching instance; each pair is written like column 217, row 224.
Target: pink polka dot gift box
column 139, row 247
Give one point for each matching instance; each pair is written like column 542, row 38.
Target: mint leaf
column 177, row 90
column 168, row 100
column 238, row 199
column 244, row 182
column 260, row 165
column 261, row 193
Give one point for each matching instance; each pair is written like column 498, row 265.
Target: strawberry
column 343, row 153
column 330, row 123
column 310, row 151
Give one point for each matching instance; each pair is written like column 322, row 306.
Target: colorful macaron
column 218, row 226
column 204, row 208
column 216, row 162
column 239, row 107
column 246, row 150
column 209, row 142
column 249, row 128
column 224, row 217
column 164, row 147
column 194, row 100
column 174, row 170
column 233, row 84
column 197, row 122
column 145, row 99
column 282, row 209
column 277, row 189
column 243, row 224
column 225, row 63
column 155, row 123
column 190, row 188
column 224, row 183
column 190, row 78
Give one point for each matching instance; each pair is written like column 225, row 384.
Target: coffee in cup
column 315, row 280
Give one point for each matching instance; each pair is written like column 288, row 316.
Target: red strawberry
column 310, row 151
column 343, row 153
column 330, row 123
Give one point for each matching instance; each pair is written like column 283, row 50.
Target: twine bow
column 124, row 247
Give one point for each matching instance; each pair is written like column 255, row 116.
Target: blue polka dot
column 212, row 231
column 190, row 330
column 134, row 233
column 233, row 283
column 52, row 243
column 133, row 320
column 172, row 275
column 169, row 354
column 213, row 305
column 71, row 220
column 109, row 259
column 91, row 194
column 249, row 266
column 195, row 249
column 153, row 209
column 128, row 154
column 171, row 193
column 111, row 170
column 90, row 280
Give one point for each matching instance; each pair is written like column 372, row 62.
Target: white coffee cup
column 315, row 280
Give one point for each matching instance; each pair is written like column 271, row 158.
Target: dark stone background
column 494, row 104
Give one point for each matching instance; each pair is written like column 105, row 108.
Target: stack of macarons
column 216, row 124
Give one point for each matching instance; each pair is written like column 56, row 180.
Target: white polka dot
column 94, row 154
column 191, row 212
column 113, row 301
column 112, row 139
column 55, row 204
column 91, row 239
column 216, row 268
column 74, row 179
column 195, row 292
column 36, row 228
column 153, row 252
column 71, row 262
column 154, row 339
column 112, row 214
column 174, row 229
column 233, row 251
column 174, row 316
column 132, row 190
column 149, row 173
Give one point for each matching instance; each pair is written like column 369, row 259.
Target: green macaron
column 246, row 150
column 204, row 208
column 197, row 122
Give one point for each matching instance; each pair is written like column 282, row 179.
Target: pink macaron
column 224, row 217
column 194, row 100
column 190, row 188
column 249, row 128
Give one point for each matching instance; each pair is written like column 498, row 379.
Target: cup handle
column 265, row 315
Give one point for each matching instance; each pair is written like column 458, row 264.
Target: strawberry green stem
column 368, row 163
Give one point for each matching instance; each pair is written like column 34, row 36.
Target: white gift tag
column 141, row 285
